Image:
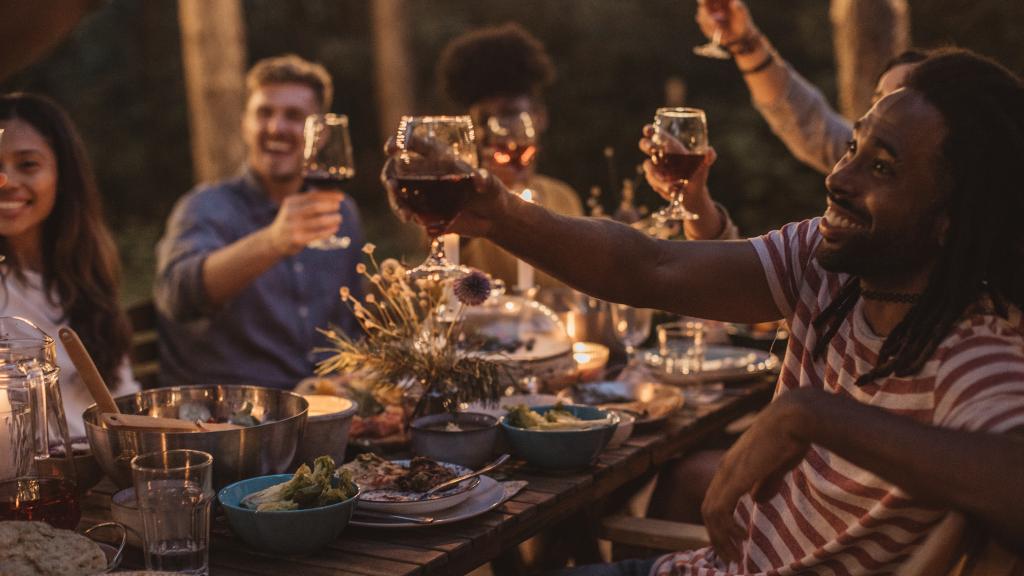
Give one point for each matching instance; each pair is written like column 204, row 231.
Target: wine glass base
column 436, row 272
column 712, row 50
column 332, row 243
column 670, row 213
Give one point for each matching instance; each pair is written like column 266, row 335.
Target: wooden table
column 459, row 548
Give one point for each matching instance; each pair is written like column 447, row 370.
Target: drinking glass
column 680, row 143
column 632, row 326
column 174, row 491
column 719, row 10
column 508, row 148
column 681, row 346
column 328, row 163
column 434, row 173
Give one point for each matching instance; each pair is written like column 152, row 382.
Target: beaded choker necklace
column 897, row 297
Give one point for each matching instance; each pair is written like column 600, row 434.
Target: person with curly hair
column 499, row 75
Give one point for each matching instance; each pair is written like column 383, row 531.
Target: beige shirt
column 552, row 194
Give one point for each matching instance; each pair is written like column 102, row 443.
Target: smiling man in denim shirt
column 239, row 295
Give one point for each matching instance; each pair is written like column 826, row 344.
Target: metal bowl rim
column 93, row 408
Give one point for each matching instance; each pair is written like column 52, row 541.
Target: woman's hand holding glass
column 696, row 195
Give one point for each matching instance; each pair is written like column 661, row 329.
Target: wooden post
column 392, row 64
column 214, row 54
column 866, row 33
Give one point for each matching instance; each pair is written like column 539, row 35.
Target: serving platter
column 721, row 363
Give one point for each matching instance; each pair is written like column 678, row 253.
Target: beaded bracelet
column 763, row 65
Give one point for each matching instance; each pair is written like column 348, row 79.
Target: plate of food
column 651, row 402
column 486, row 497
column 399, row 486
column 380, row 422
column 720, row 363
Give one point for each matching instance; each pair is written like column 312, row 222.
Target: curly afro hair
column 500, row 61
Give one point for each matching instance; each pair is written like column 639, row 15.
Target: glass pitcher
column 33, row 427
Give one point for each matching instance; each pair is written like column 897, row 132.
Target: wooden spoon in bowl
column 87, row 370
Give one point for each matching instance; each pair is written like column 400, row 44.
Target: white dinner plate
column 486, row 497
column 721, row 363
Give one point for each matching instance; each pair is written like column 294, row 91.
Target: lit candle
column 524, row 272
column 7, row 447
column 451, row 248
column 590, row 358
column 570, row 325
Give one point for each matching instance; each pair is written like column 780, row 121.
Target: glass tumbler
column 174, row 490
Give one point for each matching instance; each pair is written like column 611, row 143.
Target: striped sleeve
column 785, row 254
column 980, row 385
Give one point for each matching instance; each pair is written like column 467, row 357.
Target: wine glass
column 434, row 180
column 508, row 148
column 680, row 143
column 719, row 10
column 632, row 326
column 328, row 163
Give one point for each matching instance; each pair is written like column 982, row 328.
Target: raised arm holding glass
column 910, row 272
column 239, row 293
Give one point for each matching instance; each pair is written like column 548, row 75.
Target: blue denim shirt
column 266, row 334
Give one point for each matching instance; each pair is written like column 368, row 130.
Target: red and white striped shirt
column 829, row 516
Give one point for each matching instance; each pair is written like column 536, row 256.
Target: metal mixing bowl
column 267, row 448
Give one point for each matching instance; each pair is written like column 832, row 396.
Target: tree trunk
column 392, row 63
column 867, row 33
column 214, row 54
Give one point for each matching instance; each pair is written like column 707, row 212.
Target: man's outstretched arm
column 611, row 261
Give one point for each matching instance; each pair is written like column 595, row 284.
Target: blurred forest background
column 120, row 76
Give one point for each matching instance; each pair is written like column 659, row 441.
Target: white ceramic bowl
column 125, row 510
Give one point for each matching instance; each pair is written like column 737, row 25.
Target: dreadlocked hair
column 982, row 104
column 501, row 61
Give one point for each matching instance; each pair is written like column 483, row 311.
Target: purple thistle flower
column 473, row 288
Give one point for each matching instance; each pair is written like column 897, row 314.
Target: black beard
column 878, row 255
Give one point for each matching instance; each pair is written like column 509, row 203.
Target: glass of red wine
column 680, row 144
column 328, row 163
column 508, row 145
column 434, row 174
column 47, row 499
column 719, row 11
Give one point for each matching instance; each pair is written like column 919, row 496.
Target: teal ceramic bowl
column 562, row 449
column 285, row 531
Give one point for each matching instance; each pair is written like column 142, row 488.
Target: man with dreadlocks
column 902, row 392
column 498, row 75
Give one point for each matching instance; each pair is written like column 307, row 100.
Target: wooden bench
column 145, row 350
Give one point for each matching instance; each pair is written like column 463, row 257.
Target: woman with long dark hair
column 61, row 266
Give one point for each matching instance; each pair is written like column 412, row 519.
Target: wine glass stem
column 678, row 192
column 437, row 254
column 630, row 355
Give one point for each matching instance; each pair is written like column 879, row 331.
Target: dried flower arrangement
column 408, row 344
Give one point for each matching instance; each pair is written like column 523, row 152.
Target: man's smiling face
column 272, row 125
column 885, row 216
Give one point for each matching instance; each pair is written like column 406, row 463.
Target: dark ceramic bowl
column 472, row 446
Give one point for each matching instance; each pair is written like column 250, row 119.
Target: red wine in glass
column 326, row 181
column 677, row 166
column 51, row 500
column 511, row 154
column 434, row 200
